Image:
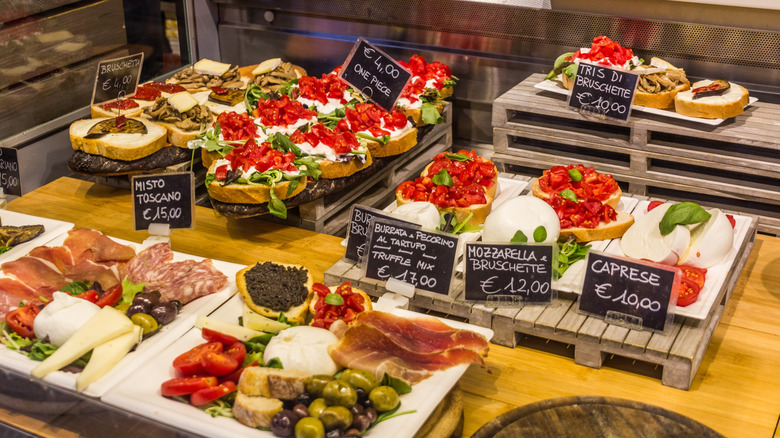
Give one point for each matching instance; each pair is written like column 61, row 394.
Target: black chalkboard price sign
column 10, row 180
column 357, row 232
column 117, row 78
column 603, row 91
column 375, row 74
column 498, row 270
column 166, row 198
column 629, row 292
column 407, row 253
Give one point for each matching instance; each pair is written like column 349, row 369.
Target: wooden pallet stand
column 734, row 165
column 561, row 329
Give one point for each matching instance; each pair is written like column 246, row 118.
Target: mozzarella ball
column 524, row 213
column 422, row 213
column 710, row 241
column 303, row 348
column 644, row 240
column 62, row 317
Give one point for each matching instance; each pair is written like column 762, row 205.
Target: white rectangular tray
column 148, row 348
column 139, row 393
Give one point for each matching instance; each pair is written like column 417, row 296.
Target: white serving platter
column 51, row 229
column 139, row 393
column 148, row 348
column 557, row 87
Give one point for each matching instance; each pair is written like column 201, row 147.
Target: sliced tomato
column 688, row 294
column 188, row 363
column 21, row 320
column 694, row 274
column 208, row 395
column 237, row 351
column 653, row 204
column 111, row 296
column 732, row 221
column 215, row 336
column 218, row 363
column 89, row 295
column 186, row 385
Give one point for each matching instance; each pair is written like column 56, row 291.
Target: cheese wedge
column 236, row 331
column 105, row 356
column 105, row 325
column 183, row 101
column 209, row 67
column 255, row 321
column 266, row 66
column 644, row 240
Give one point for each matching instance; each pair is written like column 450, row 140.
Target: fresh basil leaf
column 568, row 194
column 76, row 287
column 442, row 178
column 291, row 186
column 575, row 175
column 334, row 299
column 540, row 233
column 519, row 237
column 457, row 157
column 684, row 213
column 400, row 386
column 429, row 114
column 284, row 144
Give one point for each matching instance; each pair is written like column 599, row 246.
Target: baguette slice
column 480, row 211
column 250, row 194
column 612, row 201
column 295, row 314
column 604, row 231
column 730, row 104
column 254, row 411
column 272, row 382
column 337, row 169
column 395, row 146
column 124, row 147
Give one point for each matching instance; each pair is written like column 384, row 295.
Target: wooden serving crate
column 560, row 328
column 735, row 164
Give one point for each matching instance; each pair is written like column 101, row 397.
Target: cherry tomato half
column 89, row 295
column 653, row 204
column 218, row 363
column 688, row 294
column 207, row 395
column 21, row 320
column 188, row 363
column 694, row 274
column 111, row 296
column 186, row 385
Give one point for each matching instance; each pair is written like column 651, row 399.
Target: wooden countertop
column 735, row 391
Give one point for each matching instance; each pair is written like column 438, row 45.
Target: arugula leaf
column 442, row 178
column 400, row 386
column 382, row 140
column 429, row 114
column 41, row 350
column 568, row 253
column 129, row 291
column 209, row 179
column 76, row 287
column 684, row 213
column 219, row 408
column 284, row 144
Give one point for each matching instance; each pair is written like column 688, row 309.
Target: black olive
column 357, row 409
column 334, row 433
column 304, row 399
column 164, row 313
column 371, row 414
column 150, row 299
column 301, row 410
column 177, row 303
column 283, row 423
column 352, row 433
column 137, row 308
column 361, row 422
column 362, row 396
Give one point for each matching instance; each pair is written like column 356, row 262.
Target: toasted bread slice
column 295, row 313
column 730, row 104
column 612, row 201
column 416, row 113
column 604, row 231
column 272, row 382
column 255, row 411
column 250, row 194
column 120, row 146
column 336, row 169
column 395, row 146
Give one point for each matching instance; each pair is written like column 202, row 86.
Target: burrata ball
column 62, row 317
column 524, row 213
column 422, row 213
column 303, row 348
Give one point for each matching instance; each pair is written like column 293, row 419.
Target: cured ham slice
column 36, row 274
column 60, row 256
column 382, row 343
column 184, row 281
column 107, row 274
column 87, row 244
column 427, row 335
column 13, row 291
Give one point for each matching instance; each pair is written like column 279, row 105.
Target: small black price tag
column 357, row 232
column 166, row 198
column 604, row 91
column 117, row 77
column 497, row 270
column 631, row 293
column 424, row 259
column 375, row 74
column 10, row 180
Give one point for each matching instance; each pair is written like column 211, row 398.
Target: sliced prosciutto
column 87, row 244
column 37, row 274
column 184, row 281
column 383, row 344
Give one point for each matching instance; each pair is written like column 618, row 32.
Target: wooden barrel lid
column 592, row 416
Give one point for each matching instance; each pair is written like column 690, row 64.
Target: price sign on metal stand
column 9, row 172
column 357, row 231
column 375, row 74
column 166, row 198
column 631, row 293
column 603, row 91
column 116, row 78
column 407, row 253
column 520, row 272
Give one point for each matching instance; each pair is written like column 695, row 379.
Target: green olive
column 360, row 379
column 309, row 427
column 146, row 322
column 339, row 393
column 315, row 383
column 316, row 407
column 336, row 417
column 383, row 398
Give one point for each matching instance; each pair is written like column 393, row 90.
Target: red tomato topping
column 329, row 86
column 326, row 314
column 21, row 320
column 342, row 142
column 111, row 296
column 144, row 92
column 186, row 385
column 236, row 126
column 475, row 170
column 370, row 117
column 207, row 395
column 261, row 157
column 423, row 189
column 423, row 71
column 604, row 51
column 165, row 88
column 281, row 112
column 189, row 362
column 121, row 104
column 587, row 213
column 214, row 336
column 592, row 185
column 219, row 91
